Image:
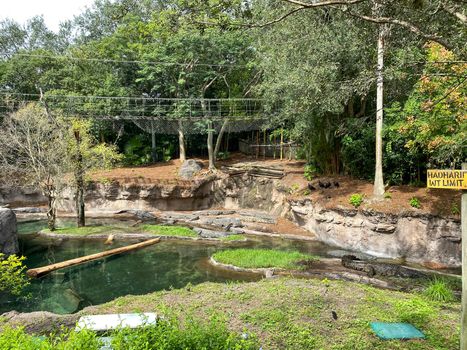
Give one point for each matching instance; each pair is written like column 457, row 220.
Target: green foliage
column 455, row 209
column 356, row 199
column 223, row 155
column 195, row 334
column 94, row 155
column 431, row 124
column 168, row 334
column 309, row 172
column 136, row 151
column 387, row 195
column 415, row 203
column 439, row 290
column 12, row 274
column 294, row 188
column 262, row 258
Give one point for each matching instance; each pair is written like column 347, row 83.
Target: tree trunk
column 181, row 141
column 378, row 189
column 153, row 143
column 219, row 138
column 51, row 211
column 212, row 163
column 81, row 217
column 79, row 179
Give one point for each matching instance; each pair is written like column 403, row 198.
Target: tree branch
column 460, row 16
column 410, row 26
column 323, row 3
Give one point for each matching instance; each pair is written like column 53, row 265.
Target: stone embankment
column 410, row 236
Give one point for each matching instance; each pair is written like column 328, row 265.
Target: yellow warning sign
column 451, row 179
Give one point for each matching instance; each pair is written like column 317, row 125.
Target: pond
column 169, row 264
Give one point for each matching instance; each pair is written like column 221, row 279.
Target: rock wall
column 8, row 232
column 111, row 197
column 25, row 196
column 418, row 238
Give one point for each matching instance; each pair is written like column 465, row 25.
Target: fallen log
column 40, row 271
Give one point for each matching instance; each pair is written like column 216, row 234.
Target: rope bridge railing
column 156, row 114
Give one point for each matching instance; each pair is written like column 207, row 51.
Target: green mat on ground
column 388, row 331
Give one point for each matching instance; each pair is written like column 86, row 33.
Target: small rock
column 189, row 169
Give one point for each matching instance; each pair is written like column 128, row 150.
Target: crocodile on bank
column 382, row 269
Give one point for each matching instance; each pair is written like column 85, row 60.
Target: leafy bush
column 294, row 188
column 309, row 172
column 387, row 195
column 12, row 276
column 439, row 290
column 356, row 199
column 415, row 203
column 167, row 334
column 223, row 155
column 455, row 209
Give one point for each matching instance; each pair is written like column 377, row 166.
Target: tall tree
column 32, row 152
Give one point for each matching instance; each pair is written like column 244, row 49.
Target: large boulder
column 8, row 232
column 189, row 169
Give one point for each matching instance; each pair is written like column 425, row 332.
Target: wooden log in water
column 40, row 271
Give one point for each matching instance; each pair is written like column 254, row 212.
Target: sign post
column 456, row 180
column 464, row 264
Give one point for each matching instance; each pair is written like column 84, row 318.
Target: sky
column 53, row 11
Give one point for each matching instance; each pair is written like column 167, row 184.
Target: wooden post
column 282, row 143
column 257, row 144
column 153, row 143
column 464, row 267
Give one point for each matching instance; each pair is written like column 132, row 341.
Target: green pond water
column 169, row 264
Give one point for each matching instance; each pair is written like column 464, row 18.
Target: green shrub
column 262, row 258
column 12, row 276
column 439, row 290
column 387, row 195
column 356, row 199
column 195, row 334
column 307, row 192
column 415, row 203
column 294, row 188
column 455, row 209
column 309, row 172
column 167, row 334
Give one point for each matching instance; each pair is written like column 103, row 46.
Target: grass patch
column 168, row 230
column 261, row 258
column 231, row 238
column 159, row 230
column 295, row 314
column 439, row 289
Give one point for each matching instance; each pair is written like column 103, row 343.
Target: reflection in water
column 169, row 264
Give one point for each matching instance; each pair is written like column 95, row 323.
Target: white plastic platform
column 100, row 323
